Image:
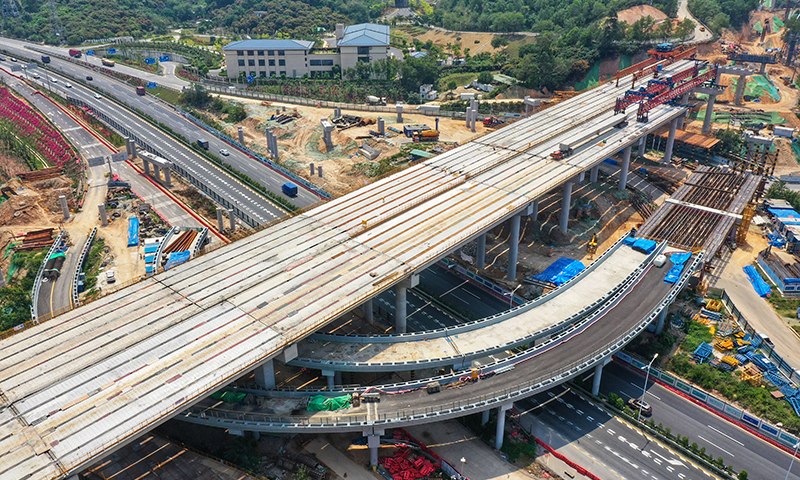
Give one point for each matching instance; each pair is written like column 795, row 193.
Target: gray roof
column 270, row 44
column 365, row 35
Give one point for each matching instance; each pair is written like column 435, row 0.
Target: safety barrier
column 278, row 168
column 475, row 324
column 37, row 283
column 198, row 244
column 161, row 248
column 79, row 267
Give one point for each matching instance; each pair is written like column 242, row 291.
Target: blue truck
column 289, row 189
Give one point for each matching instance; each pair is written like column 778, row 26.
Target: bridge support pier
column 535, row 209
column 480, row 255
column 400, row 302
column 709, row 111
column 147, row 168
column 740, row 89
column 626, row 166
column 485, row 417
column 598, row 376
column 563, row 222
column 265, row 375
column 684, row 101
column 238, row 433
column 330, row 377
column 373, row 442
column 593, row 174
column 673, row 126
column 337, row 378
column 662, row 316
column 256, row 434
column 501, row 424
column 513, row 246
column 582, row 176
column 642, row 145
column 367, row 312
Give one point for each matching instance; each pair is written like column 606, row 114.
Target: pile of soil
column 35, row 204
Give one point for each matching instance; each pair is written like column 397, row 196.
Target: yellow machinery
column 744, row 226
column 591, row 247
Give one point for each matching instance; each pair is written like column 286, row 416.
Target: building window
column 363, row 50
column 327, row 63
column 240, row 53
column 281, row 63
column 272, row 63
column 272, row 74
column 250, row 52
column 283, row 73
column 270, row 52
column 251, row 63
column 241, row 63
column 262, row 74
column 261, row 53
column 316, row 63
column 252, row 74
column 261, row 62
column 281, row 53
column 363, row 59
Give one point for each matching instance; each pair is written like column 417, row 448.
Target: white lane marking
column 726, row 436
column 612, row 432
column 590, row 419
column 712, row 443
column 579, row 412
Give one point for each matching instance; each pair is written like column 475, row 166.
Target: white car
column 53, row 79
column 224, row 152
column 110, row 277
column 97, row 95
column 68, row 85
column 35, row 75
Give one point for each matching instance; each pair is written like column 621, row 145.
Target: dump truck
column 289, row 189
column 74, row 52
column 140, row 91
column 107, row 62
column 45, row 58
column 373, row 100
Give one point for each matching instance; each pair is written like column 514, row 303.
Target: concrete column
column 256, row 435
column 662, row 316
column 709, row 111
column 238, row 433
column 468, row 116
column 319, row 171
column 485, row 414
column 265, row 375
column 513, row 246
column 642, row 145
column 232, row 218
column 480, row 255
column 366, row 310
column 220, row 220
column 147, row 168
column 740, row 89
column 337, row 378
column 103, row 216
column 582, row 176
column 534, row 210
column 474, row 119
column 593, row 174
column 64, row 206
column 565, row 201
column 684, row 101
column 501, row 424
column 673, row 126
column 311, row 167
column 381, row 126
column 156, row 172
column 373, row 442
column 598, row 375
column 399, row 107
column 330, row 376
column 400, row 302
column 626, row 166
column 167, row 178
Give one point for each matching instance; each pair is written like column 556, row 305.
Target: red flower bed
column 31, row 126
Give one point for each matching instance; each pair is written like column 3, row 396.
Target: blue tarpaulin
column 176, row 258
column 561, row 271
column 762, row 288
column 151, row 248
column 677, row 259
column 149, row 258
column 133, row 232
column 784, row 212
column 644, row 245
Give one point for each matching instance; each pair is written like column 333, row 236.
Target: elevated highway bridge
column 86, row 382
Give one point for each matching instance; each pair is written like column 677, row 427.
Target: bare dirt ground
column 630, row 15
column 476, row 42
column 300, row 141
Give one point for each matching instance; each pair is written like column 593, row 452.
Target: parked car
column 110, row 277
column 224, row 152
column 635, row 403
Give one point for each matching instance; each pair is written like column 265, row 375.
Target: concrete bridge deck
column 77, row 387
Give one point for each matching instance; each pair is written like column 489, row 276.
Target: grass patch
column 169, row 96
column 786, row 307
column 93, row 262
column 15, row 298
column 696, row 333
column 461, row 79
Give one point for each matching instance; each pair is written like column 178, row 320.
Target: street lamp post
column 788, row 470
column 644, row 387
column 511, row 296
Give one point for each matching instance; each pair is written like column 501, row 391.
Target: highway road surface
column 164, row 113
column 721, row 438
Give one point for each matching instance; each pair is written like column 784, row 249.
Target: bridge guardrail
column 553, row 377
column 201, row 237
column 475, row 324
column 37, row 283
column 79, row 267
column 160, row 251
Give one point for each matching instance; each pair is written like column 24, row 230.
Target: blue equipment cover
column 561, row 271
column 677, row 259
column 149, row 258
column 629, row 241
column 133, row 232
column 151, row 248
column 762, row 288
column 644, row 245
column 176, row 258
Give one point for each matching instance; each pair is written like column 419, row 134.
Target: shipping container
column 289, row 189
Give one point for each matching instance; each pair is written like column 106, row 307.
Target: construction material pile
column 349, row 121
column 403, row 465
column 42, row 174
column 36, row 239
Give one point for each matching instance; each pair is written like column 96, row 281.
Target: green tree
column 499, row 41
column 742, row 475
column 452, row 85
column 685, row 29
column 731, row 141
column 485, row 77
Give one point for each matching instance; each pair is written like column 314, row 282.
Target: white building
column 365, row 42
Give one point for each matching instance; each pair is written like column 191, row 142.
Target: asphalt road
column 165, row 114
column 720, row 438
column 606, row 439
